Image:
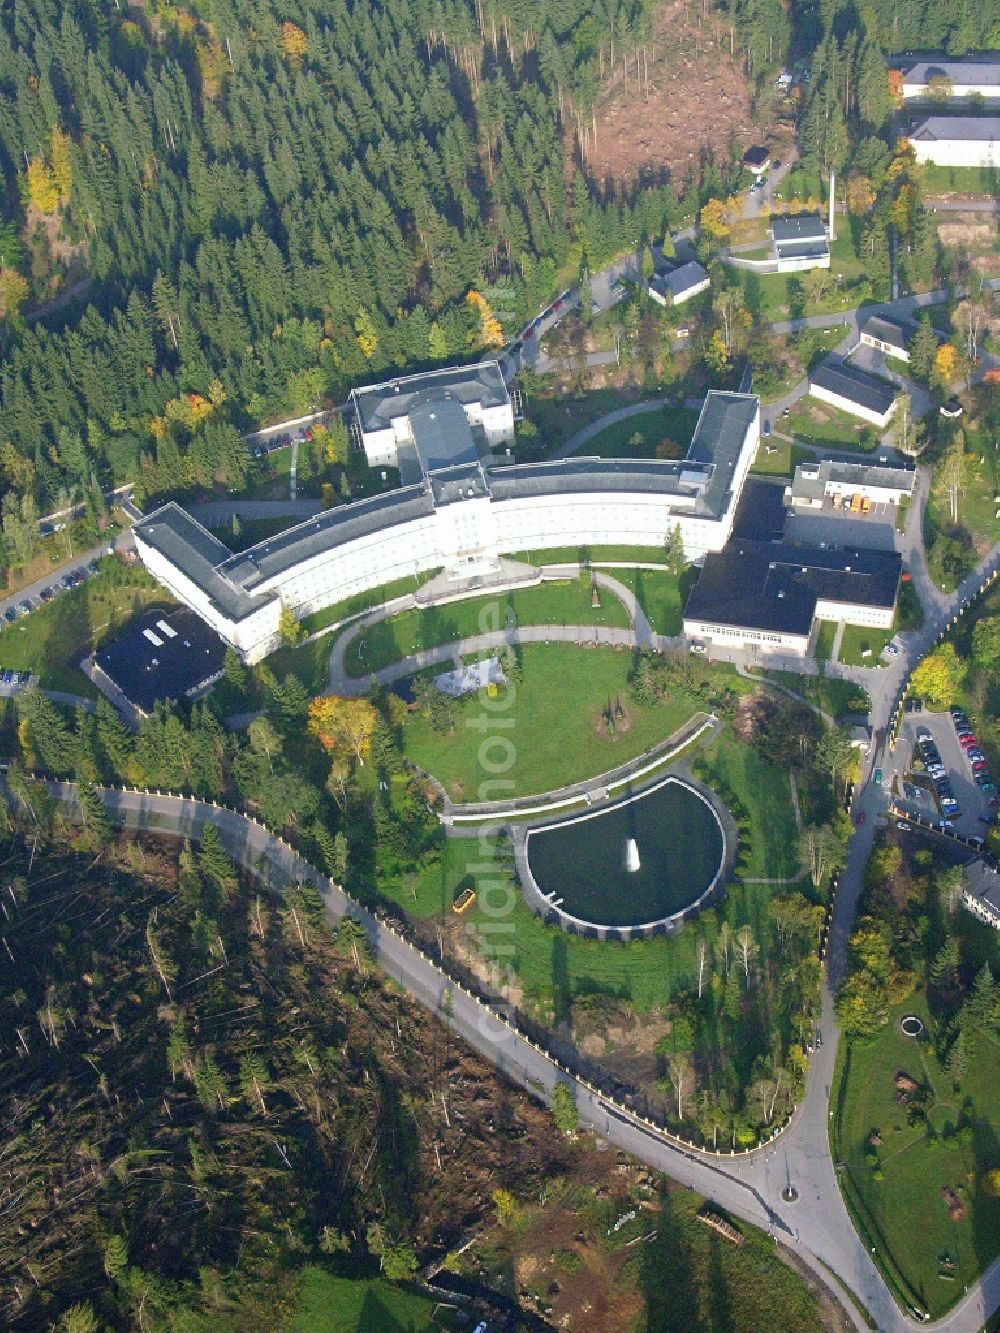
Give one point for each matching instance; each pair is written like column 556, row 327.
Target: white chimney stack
column 833, row 202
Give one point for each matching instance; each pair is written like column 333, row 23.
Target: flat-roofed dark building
column 165, row 655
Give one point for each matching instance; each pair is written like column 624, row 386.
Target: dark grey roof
column 813, row 249
column 328, row 530
column 760, row 515
column 442, row 435
column 458, row 483
column 718, row 439
column 597, row 474
column 799, row 227
column 680, row 280
column 967, row 129
column 890, row 329
column 197, row 554
column 774, row 587
column 811, row 479
column 855, row 385
column 984, row 883
column 186, row 656
column 756, row 157
column 379, row 404
column 966, row 72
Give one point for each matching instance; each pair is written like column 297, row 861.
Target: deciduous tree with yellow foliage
column 490, row 330
column 343, row 724
column 49, row 181
column 294, row 43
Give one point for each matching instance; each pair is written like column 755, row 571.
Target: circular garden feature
column 637, row 863
column 911, row 1026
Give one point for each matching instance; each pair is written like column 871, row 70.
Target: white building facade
column 459, row 519
column 957, row 141
column 952, row 79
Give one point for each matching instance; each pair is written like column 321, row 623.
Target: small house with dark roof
column 855, row 391
column 889, row 334
column 679, row 285
column 757, row 160
column 800, row 242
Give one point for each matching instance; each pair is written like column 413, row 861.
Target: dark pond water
column 583, row 860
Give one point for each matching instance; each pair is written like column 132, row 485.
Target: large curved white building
column 459, row 509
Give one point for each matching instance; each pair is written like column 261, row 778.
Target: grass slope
column 560, row 602
column 329, row 1304
column 915, row 1170
column 554, row 740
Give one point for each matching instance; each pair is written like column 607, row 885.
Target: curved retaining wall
column 659, row 925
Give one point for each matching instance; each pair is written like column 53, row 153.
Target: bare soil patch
column 690, row 70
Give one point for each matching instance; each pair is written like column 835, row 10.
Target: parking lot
column 971, row 800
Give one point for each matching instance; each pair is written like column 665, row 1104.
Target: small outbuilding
column 757, row 160
column 679, row 285
column 889, row 335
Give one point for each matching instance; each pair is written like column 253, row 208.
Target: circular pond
column 638, row 862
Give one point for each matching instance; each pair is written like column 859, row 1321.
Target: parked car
column 24, row 607
column 891, row 650
column 923, row 734
column 956, row 711
column 903, row 826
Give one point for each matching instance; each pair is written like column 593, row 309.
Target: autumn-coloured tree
column 294, row 43
column 714, row 219
column 860, row 195
column 343, row 724
column 490, row 330
column 13, row 292
column 895, row 78
column 945, row 365
column 938, row 676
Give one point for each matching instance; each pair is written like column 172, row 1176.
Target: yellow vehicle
column 464, row 901
column 855, row 503
column 866, row 505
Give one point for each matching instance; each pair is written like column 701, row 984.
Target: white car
column 891, row 650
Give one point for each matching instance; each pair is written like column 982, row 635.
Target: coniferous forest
column 268, row 204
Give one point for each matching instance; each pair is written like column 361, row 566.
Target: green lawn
column 914, row 1170
column 52, row 639
column 824, row 640
column 858, row 638
column 365, row 601
column 959, row 180
column 329, row 1304
column 735, row 770
column 654, row 428
column 554, row 740
column 772, row 296
column 816, row 422
column 557, row 417
column 835, row 697
column 551, row 965
column 783, row 458
column 660, row 595
column 977, row 507
column 593, row 555
column 562, row 602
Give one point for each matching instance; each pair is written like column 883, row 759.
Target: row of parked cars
column 283, row 441
column 938, row 774
column 977, row 761
column 29, row 604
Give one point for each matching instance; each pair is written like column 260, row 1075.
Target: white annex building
column 458, row 508
column 816, row 482
column 957, row 141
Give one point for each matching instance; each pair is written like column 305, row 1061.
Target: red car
column 968, row 740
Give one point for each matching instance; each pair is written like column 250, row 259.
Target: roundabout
column 641, row 864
